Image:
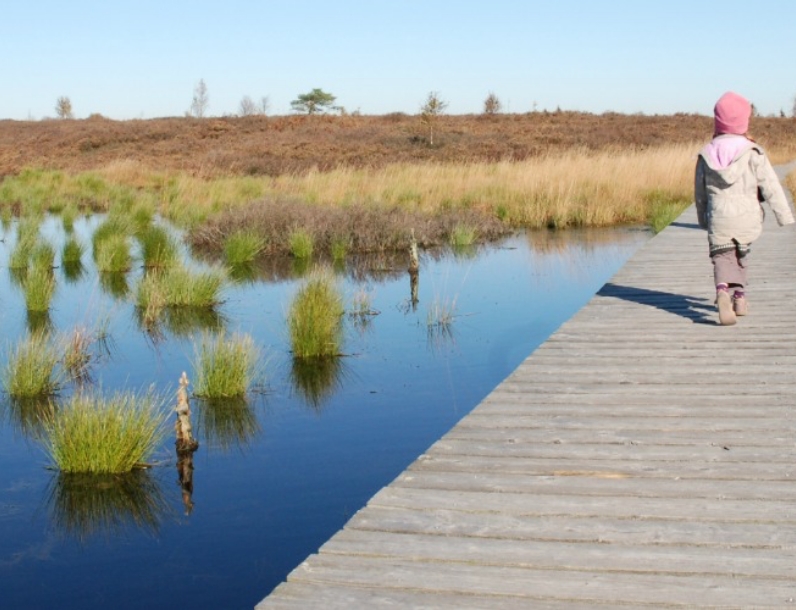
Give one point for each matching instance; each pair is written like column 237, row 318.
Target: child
column 733, row 177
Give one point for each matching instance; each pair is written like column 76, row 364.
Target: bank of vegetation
column 346, row 184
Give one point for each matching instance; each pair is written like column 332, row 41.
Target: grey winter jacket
column 732, row 179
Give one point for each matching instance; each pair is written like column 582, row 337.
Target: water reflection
column 28, row 415
column 73, row 271
column 83, row 506
column 38, row 322
column 114, row 284
column 316, row 380
column 226, row 423
column 183, row 322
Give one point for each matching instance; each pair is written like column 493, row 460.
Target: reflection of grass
column 93, row 434
column 223, row 367
column 83, row 505
column 227, row 423
column 114, row 284
column 316, row 379
column 31, row 368
column 315, row 317
column 181, row 321
column 29, row 414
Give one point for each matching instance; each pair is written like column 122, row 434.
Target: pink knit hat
column 731, row 114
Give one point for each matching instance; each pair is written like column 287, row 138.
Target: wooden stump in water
column 414, row 270
column 186, row 444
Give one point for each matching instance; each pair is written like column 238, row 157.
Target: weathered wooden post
column 186, row 444
column 414, row 270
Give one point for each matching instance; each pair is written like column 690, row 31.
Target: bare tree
column 265, row 104
column 492, row 104
column 200, row 101
column 247, row 107
column 793, row 110
column 63, row 108
column 430, row 111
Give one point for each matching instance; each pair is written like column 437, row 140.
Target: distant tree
column 201, row 101
column 755, row 111
column 313, row 102
column 492, row 104
column 793, row 110
column 247, row 107
column 430, row 112
column 265, row 104
column 63, row 108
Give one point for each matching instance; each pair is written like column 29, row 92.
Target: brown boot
column 724, row 305
column 739, row 305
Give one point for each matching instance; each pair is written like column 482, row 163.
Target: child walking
column 733, row 177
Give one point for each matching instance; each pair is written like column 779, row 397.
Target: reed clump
column 243, row 247
column 38, row 285
column 315, row 317
column 177, row 287
column 225, row 367
column 159, row 249
column 99, row 435
column 31, row 369
column 72, row 252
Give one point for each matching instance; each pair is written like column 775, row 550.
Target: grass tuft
column 301, row 244
column 30, row 370
column 159, row 249
column 315, row 317
column 93, row 434
column 224, row 367
column 243, row 247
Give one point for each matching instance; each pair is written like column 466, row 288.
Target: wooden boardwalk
column 642, row 457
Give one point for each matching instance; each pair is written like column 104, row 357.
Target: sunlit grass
column 31, row 367
column 158, row 248
column 462, row 236
column 301, row 244
column 315, row 317
column 224, row 367
column 73, row 251
column 177, row 287
column 38, row 286
column 242, row 247
column 112, row 254
column 94, row 434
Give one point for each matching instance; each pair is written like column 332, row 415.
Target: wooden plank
column 606, row 587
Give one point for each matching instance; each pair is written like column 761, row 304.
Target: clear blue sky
column 142, row 59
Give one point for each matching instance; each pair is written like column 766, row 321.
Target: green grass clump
column 177, row 287
column 113, row 226
column 159, row 249
column 68, row 217
column 42, row 256
column 462, row 236
column 30, row 370
column 72, row 252
column 39, row 288
column 301, row 244
column 93, row 434
column 243, row 247
column 224, row 368
column 315, row 317
column 112, row 254
column 339, row 248
column 663, row 209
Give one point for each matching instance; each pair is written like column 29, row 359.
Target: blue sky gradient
column 143, row 59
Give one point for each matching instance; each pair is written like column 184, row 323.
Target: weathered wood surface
column 642, row 457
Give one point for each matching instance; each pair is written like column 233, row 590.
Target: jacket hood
column 722, row 153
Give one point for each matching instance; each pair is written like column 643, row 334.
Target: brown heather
column 275, row 146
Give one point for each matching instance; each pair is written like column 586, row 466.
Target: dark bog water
column 278, row 475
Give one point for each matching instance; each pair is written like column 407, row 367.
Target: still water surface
column 277, row 476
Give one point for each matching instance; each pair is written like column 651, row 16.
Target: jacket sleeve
column 700, row 193
column 771, row 189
